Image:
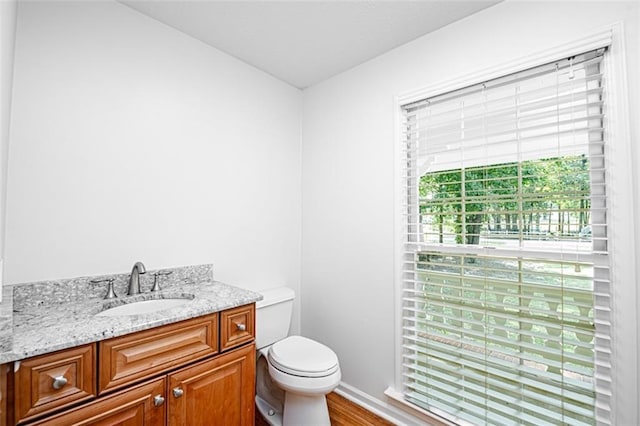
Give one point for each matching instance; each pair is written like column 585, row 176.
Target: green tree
column 514, row 197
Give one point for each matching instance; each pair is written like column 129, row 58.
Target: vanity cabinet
column 199, row 371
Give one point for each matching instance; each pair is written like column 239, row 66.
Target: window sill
column 398, row 401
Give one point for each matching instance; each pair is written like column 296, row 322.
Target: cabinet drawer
column 140, row 405
column 59, row 379
column 237, row 326
column 133, row 357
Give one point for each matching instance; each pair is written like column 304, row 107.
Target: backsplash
column 6, row 319
column 70, row 289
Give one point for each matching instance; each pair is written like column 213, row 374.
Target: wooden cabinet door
column 142, row 405
column 4, row 415
column 214, row 392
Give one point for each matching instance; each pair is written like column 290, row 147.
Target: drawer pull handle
column 158, row 400
column 177, row 392
column 59, row 382
column 241, row 327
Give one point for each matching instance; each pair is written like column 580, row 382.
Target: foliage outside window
column 533, row 200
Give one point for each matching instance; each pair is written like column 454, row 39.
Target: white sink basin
column 143, row 307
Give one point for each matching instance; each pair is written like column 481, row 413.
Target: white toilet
column 293, row 373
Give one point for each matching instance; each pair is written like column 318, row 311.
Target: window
column 506, row 298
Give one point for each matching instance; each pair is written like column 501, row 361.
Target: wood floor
column 343, row 413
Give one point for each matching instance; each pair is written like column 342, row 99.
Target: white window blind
column 506, row 296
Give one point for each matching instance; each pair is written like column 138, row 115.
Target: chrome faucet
column 134, row 278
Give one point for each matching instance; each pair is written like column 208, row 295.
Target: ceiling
column 306, row 41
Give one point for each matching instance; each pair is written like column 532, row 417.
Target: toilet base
column 270, row 414
column 305, row 410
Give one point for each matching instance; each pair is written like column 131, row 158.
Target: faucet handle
column 156, row 283
column 110, row 293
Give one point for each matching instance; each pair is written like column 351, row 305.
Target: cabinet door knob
column 241, row 327
column 158, row 400
column 177, row 392
column 59, row 382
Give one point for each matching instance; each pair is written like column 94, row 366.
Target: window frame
column 621, row 229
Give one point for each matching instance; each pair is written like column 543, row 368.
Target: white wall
column 8, row 14
column 132, row 141
column 348, row 169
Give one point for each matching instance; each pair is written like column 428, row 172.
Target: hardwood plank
column 345, row 413
column 260, row 421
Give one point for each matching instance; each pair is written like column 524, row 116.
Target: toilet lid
column 300, row 356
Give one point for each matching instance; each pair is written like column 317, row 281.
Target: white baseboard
column 387, row 410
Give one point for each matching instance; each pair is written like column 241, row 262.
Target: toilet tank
column 273, row 315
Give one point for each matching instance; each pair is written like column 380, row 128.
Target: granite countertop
column 40, row 328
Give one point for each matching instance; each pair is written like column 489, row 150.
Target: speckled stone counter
column 57, row 315
column 6, row 319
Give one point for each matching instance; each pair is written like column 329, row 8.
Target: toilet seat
column 299, row 356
